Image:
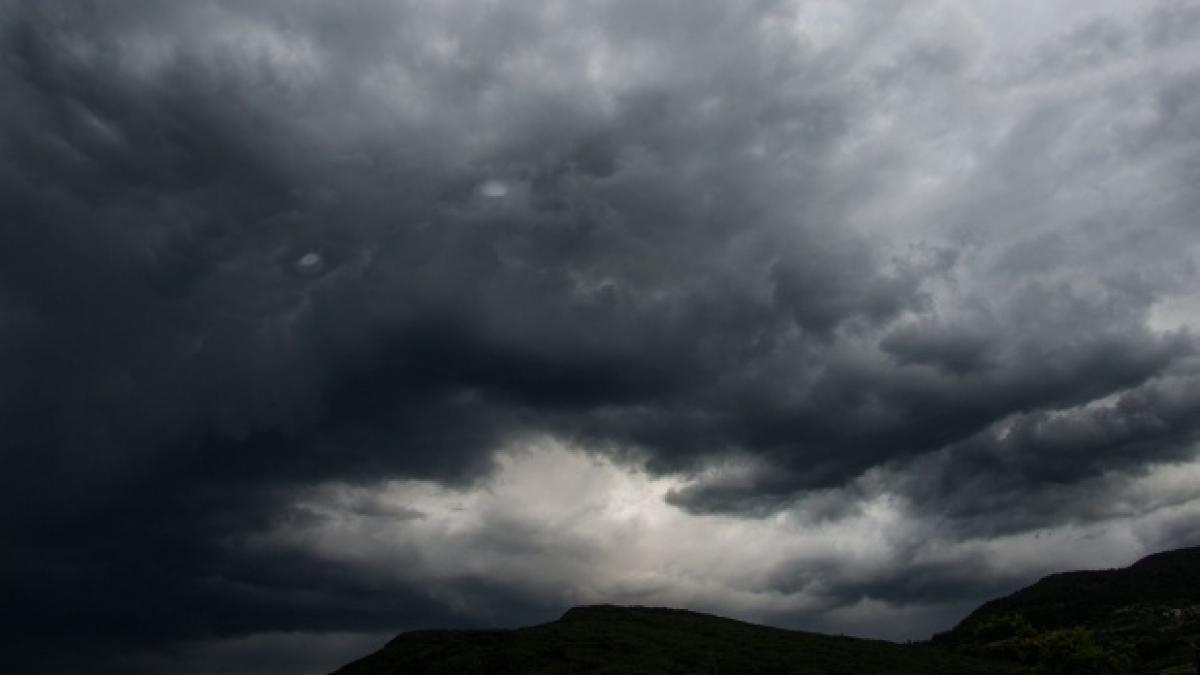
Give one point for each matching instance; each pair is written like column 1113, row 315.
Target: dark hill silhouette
column 1170, row 579
column 654, row 640
column 1144, row 618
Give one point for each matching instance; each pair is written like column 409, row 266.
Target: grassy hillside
column 607, row 639
column 1144, row 618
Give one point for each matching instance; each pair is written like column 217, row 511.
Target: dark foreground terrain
column 1141, row 619
column 1144, row 618
column 607, row 639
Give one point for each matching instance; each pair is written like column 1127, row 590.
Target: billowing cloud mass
column 319, row 321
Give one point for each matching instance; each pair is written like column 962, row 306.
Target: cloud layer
column 873, row 294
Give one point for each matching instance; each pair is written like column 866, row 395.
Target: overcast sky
column 320, row 321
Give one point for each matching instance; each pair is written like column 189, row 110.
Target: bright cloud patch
column 565, row 527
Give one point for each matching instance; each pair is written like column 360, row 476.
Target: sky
column 323, row 321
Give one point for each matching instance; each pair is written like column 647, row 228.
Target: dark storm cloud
column 251, row 248
column 159, row 229
column 177, row 363
column 1021, row 474
column 905, row 580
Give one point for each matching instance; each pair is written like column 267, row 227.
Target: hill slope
column 1144, row 618
column 1170, row 579
column 608, row 639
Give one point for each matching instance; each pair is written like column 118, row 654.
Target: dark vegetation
column 1144, row 618
column 1141, row 619
column 607, row 639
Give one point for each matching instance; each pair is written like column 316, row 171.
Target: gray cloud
column 249, row 249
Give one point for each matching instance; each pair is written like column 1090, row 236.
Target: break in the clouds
column 322, row 321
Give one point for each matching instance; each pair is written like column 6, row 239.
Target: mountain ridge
column 1144, row 618
column 1171, row 577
